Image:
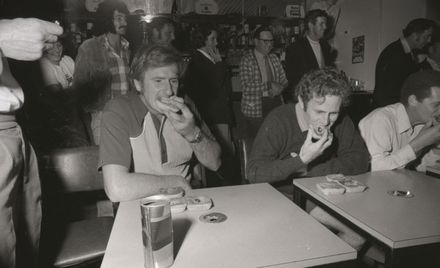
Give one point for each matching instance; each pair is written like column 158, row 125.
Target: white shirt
column 58, row 74
column 11, row 94
column 387, row 132
column 316, row 47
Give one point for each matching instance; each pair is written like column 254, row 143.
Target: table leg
column 299, row 198
column 390, row 258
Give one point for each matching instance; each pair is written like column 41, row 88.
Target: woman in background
column 59, row 119
column 208, row 83
column 57, row 69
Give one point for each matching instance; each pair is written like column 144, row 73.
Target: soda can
column 157, row 233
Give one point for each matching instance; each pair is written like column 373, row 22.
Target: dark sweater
column 280, row 135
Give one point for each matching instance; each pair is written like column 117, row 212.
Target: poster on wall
column 358, row 49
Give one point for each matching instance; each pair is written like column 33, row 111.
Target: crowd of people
column 155, row 117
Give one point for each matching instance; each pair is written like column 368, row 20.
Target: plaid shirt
column 118, row 67
column 252, row 84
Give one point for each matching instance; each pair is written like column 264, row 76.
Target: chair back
column 244, row 150
column 74, row 232
column 73, row 169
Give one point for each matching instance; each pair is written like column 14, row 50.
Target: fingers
column 52, row 29
column 167, row 105
column 309, row 135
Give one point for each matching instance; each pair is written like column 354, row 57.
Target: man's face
column 322, row 111
column 428, row 107
column 160, row 82
column 120, row 22
column 423, row 38
column 316, row 31
column 165, row 36
column 264, row 44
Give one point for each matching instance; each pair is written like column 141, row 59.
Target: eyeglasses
column 266, row 41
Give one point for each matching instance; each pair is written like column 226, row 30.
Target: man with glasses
column 311, row 51
column 262, row 80
column 101, row 67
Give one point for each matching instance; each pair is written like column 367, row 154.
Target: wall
column 381, row 21
column 358, row 17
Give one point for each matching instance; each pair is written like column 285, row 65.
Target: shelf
column 214, row 19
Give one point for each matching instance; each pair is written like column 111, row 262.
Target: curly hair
column 104, row 15
column 323, row 82
column 201, row 35
column 153, row 56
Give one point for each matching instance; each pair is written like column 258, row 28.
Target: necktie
column 268, row 69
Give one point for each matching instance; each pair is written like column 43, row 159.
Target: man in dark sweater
column 309, row 138
column 398, row 60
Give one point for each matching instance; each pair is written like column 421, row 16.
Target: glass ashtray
column 401, row 193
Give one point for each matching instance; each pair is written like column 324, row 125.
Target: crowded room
column 219, row 133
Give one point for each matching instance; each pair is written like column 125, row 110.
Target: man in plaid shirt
column 262, row 81
column 102, row 63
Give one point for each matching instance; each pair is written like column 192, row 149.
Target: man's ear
column 137, row 85
column 301, row 103
column 412, row 100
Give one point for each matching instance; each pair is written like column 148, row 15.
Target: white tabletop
column 398, row 222
column 263, row 228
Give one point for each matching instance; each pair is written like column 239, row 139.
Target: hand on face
column 25, row 39
column 179, row 115
column 311, row 150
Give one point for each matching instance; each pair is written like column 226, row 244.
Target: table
column 263, row 229
column 395, row 222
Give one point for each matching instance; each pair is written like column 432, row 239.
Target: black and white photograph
column 219, row 133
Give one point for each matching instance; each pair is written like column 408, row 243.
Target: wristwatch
column 198, row 138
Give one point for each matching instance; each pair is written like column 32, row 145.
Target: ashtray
column 401, row 193
column 214, row 217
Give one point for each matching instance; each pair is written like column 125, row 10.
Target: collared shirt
column 435, row 66
column 405, row 45
column 387, row 132
column 316, row 47
column 118, row 67
column 206, row 55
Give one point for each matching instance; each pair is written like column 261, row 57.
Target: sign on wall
column 358, row 49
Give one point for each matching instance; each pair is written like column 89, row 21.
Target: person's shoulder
column 395, row 46
column 282, row 113
column 382, row 115
column 93, row 42
column 124, row 105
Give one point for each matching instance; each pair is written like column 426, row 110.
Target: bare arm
column 121, row 185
